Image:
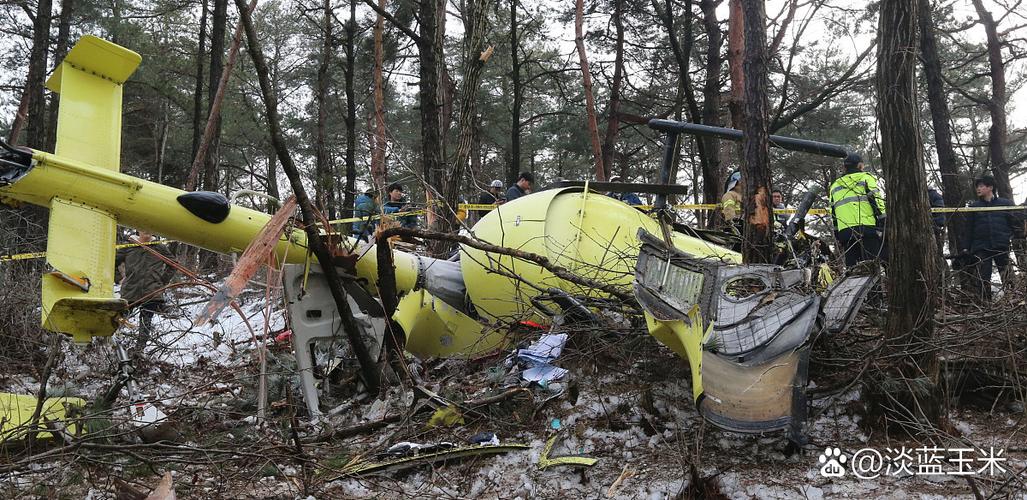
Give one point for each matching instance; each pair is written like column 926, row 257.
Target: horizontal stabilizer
column 78, row 295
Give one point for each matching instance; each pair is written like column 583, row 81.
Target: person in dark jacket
column 521, row 187
column 988, row 234
column 145, row 275
column 494, row 196
column 398, row 203
column 366, row 208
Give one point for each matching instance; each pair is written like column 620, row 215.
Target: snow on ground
column 636, row 417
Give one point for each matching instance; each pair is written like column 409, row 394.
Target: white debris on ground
column 637, row 418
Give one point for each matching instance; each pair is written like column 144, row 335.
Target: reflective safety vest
column 851, row 197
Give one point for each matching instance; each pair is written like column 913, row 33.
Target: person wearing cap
column 988, row 234
column 398, row 203
column 629, row 198
column 365, row 207
column 857, row 206
column 521, row 187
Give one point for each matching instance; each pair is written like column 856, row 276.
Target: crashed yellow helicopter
column 747, row 354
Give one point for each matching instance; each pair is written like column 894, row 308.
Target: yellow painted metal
column 16, row 412
column 593, row 236
column 686, row 340
column 80, row 245
column 141, row 204
column 435, row 328
column 405, row 264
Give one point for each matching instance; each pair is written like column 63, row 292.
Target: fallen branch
column 356, row 430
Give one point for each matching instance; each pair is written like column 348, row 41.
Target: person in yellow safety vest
column 857, row 205
column 731, row 202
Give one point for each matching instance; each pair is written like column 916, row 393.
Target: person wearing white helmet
column 494, row 196
column 731, row 202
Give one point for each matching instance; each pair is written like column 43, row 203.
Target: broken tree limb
column 544, row 262
column 367, row 365
column 255, row 255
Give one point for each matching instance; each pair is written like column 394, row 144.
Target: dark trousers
column 861, row 243
column 146, row 312
column 983, row 261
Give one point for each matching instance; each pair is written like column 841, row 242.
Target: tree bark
column 758, row 237
column 735, row 48
column 612, row 122
column 351, row 108
column 953, row 181
column 997, row 104
column 514, row 166
column 201, row 51
column 310, row 220
column 325, row 187
column 219, row 23
column 378, row 142
column 912, row 270
column 63, row 33
column 34, row 84
column 586, row 75
column 433, row 121
column 476, row 20
column 711, row 169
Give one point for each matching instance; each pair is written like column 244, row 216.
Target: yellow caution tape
column 38, row 255
column 482, row 207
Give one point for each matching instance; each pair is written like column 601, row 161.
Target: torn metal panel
column 750, row 350
column 844, row 299
column 314, row 316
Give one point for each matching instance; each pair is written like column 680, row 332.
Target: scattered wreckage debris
column 17, row 411
column 545, row 461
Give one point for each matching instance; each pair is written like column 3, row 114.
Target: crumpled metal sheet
column 844, row 298
column 753, row 365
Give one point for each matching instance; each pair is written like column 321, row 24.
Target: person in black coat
column 988, row 235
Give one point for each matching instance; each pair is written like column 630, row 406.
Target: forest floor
column 626, row 402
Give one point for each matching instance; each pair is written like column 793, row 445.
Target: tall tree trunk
column 310, row 221
column 514, row 166
column 997, row 104
column 378, row 143
column 586, row 75
column 758, row 238
column 476, row 22
column 325, row 187
column 36, row 129
column 912, row 270
column 349, row 193
column 63, row 33
column 953, row 182
column 218, row 26
column 711, row 169
column 201, row 51
column 433, row 120
column 735, row 48
column 613, row 121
